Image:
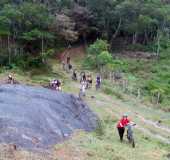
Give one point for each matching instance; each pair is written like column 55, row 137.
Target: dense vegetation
column 32, row 30
column 141, row 77
column 32, row 26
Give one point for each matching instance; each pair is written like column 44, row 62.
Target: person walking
column 123, row 122
column 82, row 89
column 98, row 81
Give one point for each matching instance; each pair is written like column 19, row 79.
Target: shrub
column 98, row 47
column 98, row 55
column 49, row 53
column 104, row 58
column 89, row 62
column 27, row 62
column 99, row 58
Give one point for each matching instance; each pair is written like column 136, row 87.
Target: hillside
column 126, row 43
column 151, row 134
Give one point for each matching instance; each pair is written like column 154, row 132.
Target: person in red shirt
column 123, row 122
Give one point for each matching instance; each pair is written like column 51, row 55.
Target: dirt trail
column 154, row 124
column 149, row 127
column 72, row 52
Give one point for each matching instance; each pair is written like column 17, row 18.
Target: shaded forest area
column 37, row 27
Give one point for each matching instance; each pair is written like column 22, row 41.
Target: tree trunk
column 42, row 45
column 158, row 46
column 9, row 52
column 146, row 38
column 158, row 98
column 42, row 49
column 135, row 38
column 139, row 93
column 85, row 40
column 116, row 32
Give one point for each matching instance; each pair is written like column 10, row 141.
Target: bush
column 104, row 58
column 98, row 47
column 89, row 62
column 49, row 53
column 29, row 62
column 98, row 55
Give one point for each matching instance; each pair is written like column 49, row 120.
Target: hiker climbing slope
column 123, row 122
column 74, row 75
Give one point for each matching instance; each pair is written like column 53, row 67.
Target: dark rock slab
column 35, row 117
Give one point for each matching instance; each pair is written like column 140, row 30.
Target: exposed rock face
column 35, row 117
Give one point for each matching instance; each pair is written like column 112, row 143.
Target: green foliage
column 119, row 65
column 28, row 62
column 89, row 62
column 49, row 53
column 104, row 58
column 97, row 55
column 98, row 47
column 24, row 24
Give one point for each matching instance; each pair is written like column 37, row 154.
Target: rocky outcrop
column 35, row 117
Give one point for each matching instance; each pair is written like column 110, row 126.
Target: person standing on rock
column 123, row 122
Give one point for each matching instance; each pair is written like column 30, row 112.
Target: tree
column 5, row 33
column 103, row 59
column 36, row 34
column 98, row 53
column 98, row 47
column 65, row 27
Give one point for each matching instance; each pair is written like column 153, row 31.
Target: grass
column 149, row 75
column 109, row 104
column 108, row 147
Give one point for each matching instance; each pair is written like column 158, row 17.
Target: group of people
column 87, row 81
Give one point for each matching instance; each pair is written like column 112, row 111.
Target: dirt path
column 72, row 52
column 149, row 127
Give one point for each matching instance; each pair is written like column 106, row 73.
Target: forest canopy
column 32, row 26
